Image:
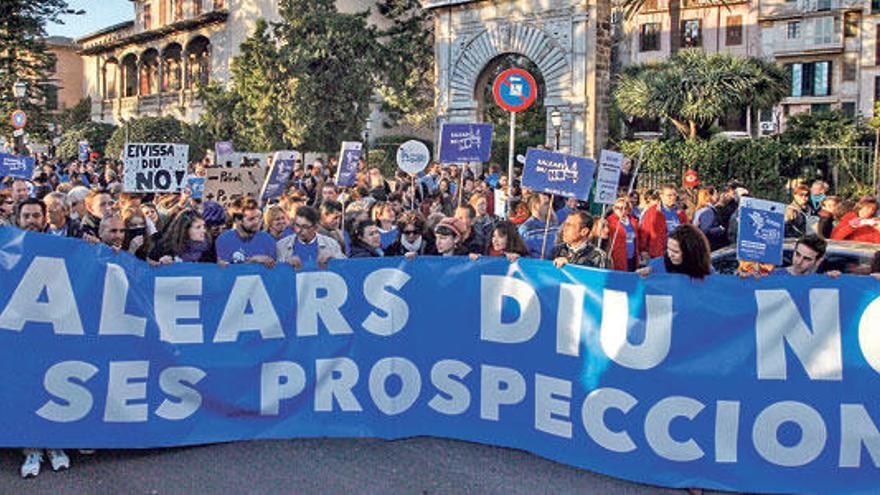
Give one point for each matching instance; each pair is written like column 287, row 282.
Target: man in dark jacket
column 576, row 248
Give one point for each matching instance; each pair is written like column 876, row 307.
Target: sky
column 99, row 14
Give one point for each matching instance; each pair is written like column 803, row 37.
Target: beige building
column 67, row 76
column 153, row 64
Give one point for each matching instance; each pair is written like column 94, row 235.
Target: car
column 844, row 256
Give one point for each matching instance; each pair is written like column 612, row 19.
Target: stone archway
column 569, row 42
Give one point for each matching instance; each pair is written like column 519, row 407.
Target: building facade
column 828, row 47
column 153, row 64
column 66, row 87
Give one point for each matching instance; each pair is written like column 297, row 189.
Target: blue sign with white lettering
column 349, row 159
column 83, row 150
column 739, row 385
column 559, row 174
column 462, row 143
column 196, row 186
column 16, row 166
column 761, row 230
column 277, row 179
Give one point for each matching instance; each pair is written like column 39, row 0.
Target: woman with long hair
column 506, row 241
column 687, row 253
column 385, row 217
column 365, row 240
column 186, row 240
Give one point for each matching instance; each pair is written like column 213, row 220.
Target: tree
column 96, row 133
column 158, row 130
column 77, row 115
column 825, row 128
column 692, row 89
column 24, row 57
column 304, row 82
column 406, row 81
column 330, row 59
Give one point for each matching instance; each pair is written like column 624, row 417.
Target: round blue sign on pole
column 515, row 90
column 19, row 119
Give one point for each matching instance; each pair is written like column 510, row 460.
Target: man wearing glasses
column 307, row 248
column 660, row 220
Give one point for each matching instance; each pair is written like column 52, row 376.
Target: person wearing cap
column 448, row 235
column 576, row 248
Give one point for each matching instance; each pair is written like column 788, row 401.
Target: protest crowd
column 445, row 211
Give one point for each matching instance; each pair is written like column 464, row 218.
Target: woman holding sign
column 687, row 253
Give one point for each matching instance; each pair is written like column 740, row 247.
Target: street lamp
column 556, row 122
column 367, row 126
column 19, row 90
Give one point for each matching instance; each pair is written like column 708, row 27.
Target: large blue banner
column 559, row 174
column 742, row 385
column 462, row 143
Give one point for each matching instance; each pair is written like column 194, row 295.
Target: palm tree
column 692, row 90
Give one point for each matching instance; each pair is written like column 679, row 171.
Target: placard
column 154, row 167
column 607, row 178
column 196, row 186
column 16, row 166
column 349, row 158
column 279, row 173
column 223, row 185
column 761, row 231
column 559, row 174
column 462, row 143
column 413, row 156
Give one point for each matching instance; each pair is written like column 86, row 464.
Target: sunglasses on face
column 410, row 232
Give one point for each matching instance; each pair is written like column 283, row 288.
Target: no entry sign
column 515, row 90
column 18, row 119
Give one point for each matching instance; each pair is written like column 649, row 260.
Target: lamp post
column 367, row 140
column 19, row 90
column 556, row 122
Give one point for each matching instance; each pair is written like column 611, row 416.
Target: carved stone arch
column 552, row 59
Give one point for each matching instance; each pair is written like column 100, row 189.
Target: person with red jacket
column 658, row 221
column 624, row 243
column 859, row 224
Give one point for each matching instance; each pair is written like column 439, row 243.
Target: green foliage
column 77, row 115
column 763, row 164
column 828, row 128
column 96, row 133
column 693, row 89
column 406, row 81
column 24, row 57
column 304, row 82
column 159, row 130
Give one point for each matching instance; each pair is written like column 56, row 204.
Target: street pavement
column 316, row 466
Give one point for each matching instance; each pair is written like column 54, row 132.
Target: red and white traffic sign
column 515, row 90
column 18, row 119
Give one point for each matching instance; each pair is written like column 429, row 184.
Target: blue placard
column 349, row 159
column 83, row 150
column 16, row 166
column 761, row 230
column 196, row 186
column 738, row 385
column 462, row 143
column 277, row 179
column 559, row 174
column 222, row 148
